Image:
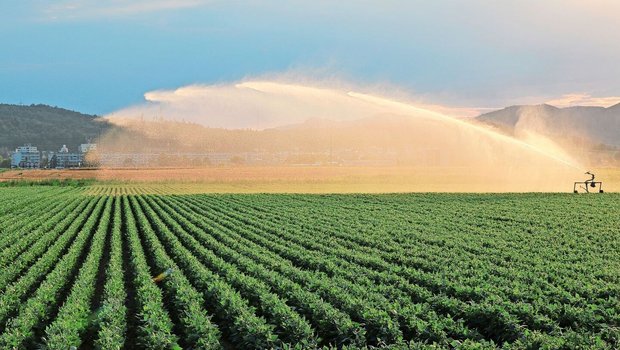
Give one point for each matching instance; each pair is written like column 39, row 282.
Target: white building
column 64, row 159
column 87, row 147
column 26, row 156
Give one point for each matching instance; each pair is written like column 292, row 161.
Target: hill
column 590, row 134
column 46, row 127
column 597, row 125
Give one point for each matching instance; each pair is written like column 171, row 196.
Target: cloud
column 583, row 99
column 91, row 9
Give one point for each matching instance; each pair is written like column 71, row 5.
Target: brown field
column 308, row 179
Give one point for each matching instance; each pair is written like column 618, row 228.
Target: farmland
column 308, row 179
column 117, row 267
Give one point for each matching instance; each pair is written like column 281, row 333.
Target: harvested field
column 307, row 179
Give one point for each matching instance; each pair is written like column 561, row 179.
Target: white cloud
column 91, row 9
column 583, row 99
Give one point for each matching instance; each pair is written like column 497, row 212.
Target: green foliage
column 48, row 182
column 402, row 271
column 155, row 325
column 74, row 316
column 111, row 317
column 20, row 330
column 46, row 127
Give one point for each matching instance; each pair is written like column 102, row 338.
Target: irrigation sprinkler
column 588, row 184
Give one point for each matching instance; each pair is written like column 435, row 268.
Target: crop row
column 126, row 270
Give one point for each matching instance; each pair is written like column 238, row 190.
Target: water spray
column 409, row 109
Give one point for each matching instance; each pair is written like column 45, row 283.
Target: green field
column 260, row 271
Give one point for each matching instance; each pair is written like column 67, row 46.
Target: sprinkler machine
column 588, row 184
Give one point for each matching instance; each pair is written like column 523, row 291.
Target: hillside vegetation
column 46, row 127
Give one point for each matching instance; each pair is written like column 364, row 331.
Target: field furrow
column 110, row 267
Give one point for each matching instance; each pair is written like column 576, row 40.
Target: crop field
column 306, row 179
column 121, row 269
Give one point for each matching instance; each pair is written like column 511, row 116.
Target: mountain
column 47, row 127
column 587, row 125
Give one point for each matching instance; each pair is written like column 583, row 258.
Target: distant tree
column 5, row 162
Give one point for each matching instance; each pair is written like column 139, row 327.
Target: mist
column 262, row 104
column 273, row 123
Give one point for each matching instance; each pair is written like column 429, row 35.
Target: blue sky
column 100, row 56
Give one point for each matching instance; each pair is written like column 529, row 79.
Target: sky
column 102, row 56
